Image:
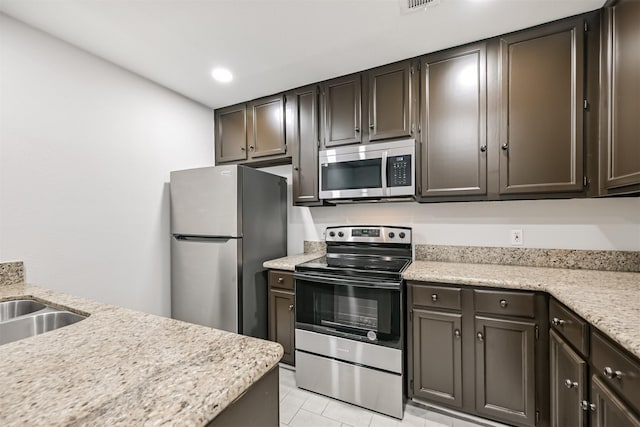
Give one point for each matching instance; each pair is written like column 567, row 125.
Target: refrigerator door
column 204, row 202
column 204, row 281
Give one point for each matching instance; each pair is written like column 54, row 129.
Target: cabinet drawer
column 436, row 296
column 616, row 369
column 506, row 303
column 570, row 326
column 280, row 279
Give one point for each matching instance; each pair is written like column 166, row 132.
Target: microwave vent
column 416, row 5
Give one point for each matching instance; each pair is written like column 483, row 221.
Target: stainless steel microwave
column 371, row 171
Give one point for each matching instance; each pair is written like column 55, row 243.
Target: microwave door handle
column 383, row 169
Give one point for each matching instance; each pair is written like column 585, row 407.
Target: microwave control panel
column 399, row 171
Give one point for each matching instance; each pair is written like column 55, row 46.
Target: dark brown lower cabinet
column 282, row 319
column 437, row 374
column 568, row 384
column 505, row 369
column 607, row 410
column 493, row 366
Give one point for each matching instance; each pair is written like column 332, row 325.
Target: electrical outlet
column 517, row 237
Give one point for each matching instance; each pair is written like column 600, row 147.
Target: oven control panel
column 368, row 234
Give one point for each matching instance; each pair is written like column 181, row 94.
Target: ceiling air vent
column 409, row 6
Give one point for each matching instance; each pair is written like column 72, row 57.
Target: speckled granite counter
column 609, row 300
column 123, row 367
column 289, row 263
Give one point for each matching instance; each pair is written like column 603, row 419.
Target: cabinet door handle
column 570, row 384
column 586, row 406
column 251, row 147
column 434, row 297
column 356, row 129
column 456, row 333
column 503, row 303
column 280, row 280
column 295, row 168
column 612, row 374
column 505, row 146
column 243, row 149
column 557, row 322
column 371, row 125
column 483, row 148
column 291, row 307
column 480, row 336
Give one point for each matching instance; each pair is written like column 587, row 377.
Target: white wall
column 85, row 153
column 606, row 224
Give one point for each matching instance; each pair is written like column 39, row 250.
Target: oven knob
column 402, row 235
column 340, row 234
column 332, row 233
column 392, row 235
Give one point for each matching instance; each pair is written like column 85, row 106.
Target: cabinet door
column 437, row 356
column 266, row 134
column 505, row 369
column 303, row 138
column 568, row 384
column 231, row 133
column 609, row 411
column 342, row 99
column 541, row 100
column 621, row 94
column 390, row 114
column 282, row 322
column 454, row 158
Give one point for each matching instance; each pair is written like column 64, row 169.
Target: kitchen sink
column 16, row 308
column 25, row 318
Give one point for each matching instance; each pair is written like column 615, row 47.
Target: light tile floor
column 301, row 408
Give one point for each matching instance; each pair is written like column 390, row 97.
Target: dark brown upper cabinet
column 266, row 134
column 541, row 101
column 342, row 111
column 303, row 138
column 620, row 97
column 390, row 101
column 453, row 102
column 231, row 133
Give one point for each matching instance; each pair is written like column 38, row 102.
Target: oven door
column 363, row 310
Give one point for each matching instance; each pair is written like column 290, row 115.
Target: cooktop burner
column 372, row 251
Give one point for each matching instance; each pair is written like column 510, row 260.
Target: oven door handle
column 344, row 282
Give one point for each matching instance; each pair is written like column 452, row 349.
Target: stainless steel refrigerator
column 225, row 222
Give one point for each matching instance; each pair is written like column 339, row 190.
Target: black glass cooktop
column 351, row 264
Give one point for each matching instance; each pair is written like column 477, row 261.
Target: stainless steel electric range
column 349, row 317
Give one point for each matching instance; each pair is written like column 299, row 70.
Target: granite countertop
column 289, row 263
column 608, row 300
column 124, row 367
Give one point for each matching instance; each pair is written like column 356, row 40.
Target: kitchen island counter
column 124, row 367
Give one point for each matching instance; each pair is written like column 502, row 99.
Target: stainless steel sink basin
column 16, row 308
column 37, row 323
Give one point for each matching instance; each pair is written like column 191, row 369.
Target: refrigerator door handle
column 202, row 238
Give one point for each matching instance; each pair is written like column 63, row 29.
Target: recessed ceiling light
column 221, row 75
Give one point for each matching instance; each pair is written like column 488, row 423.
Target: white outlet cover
column 517, row 237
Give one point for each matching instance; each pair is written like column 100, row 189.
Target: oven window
column 352, row 175
column 366, row 314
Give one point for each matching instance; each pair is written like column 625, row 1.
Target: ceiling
column 272, row 45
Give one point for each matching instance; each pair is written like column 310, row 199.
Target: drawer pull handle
column 280, row 280
column 480, row 336
column 503, row 303
column 586, row 406
column 570, row 384
column 434, row 297
column 291, row 307
column 456, row 333
column 611, row 374
column 557, row 322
